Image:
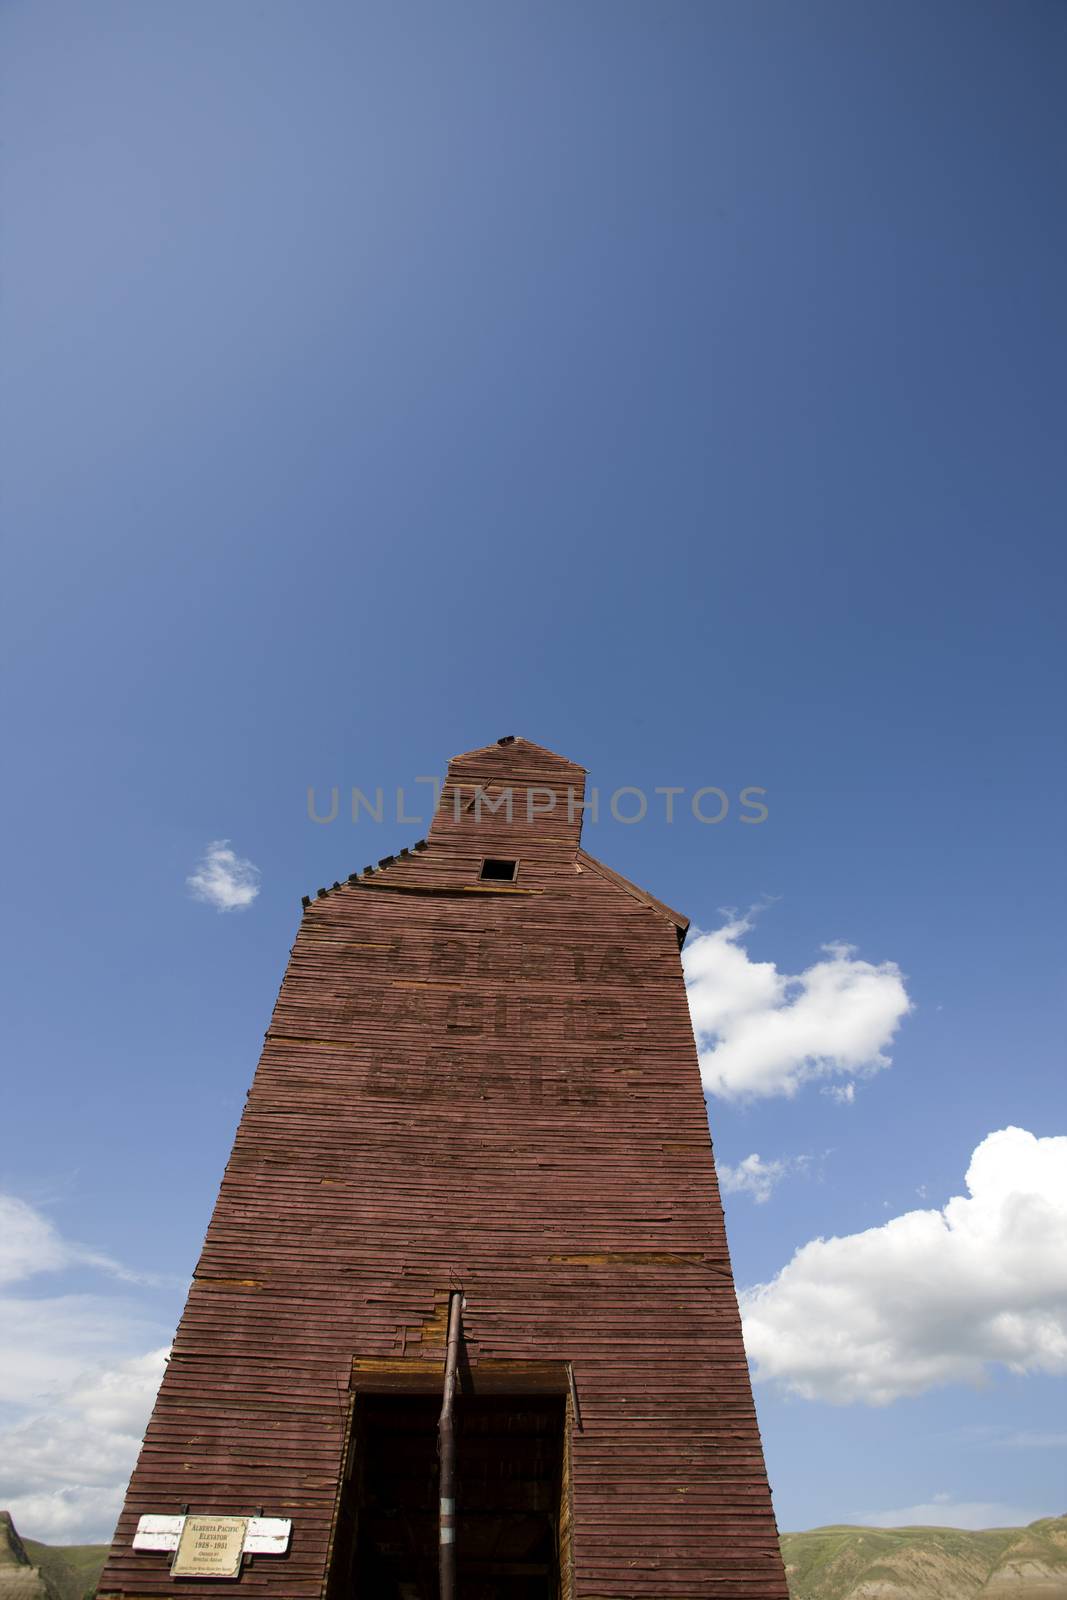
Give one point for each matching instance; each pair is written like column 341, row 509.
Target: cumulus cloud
column 752, row 1176
column 224, row 879
column 944, row 1512
column 930, row 1297
column 76, row 1383
column 66, row 1463
column 762, row 1032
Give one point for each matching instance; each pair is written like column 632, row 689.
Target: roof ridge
column 359, row 877
column 629, row 887
column 511, row 739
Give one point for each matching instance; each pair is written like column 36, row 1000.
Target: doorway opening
column 510, row 1499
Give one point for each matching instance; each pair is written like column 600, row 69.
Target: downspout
column 446, row 1449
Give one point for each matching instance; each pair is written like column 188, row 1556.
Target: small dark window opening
column 499, row 871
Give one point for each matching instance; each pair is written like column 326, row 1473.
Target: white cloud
column 29, row 1243
column 930, row 1297
column 47, row 1340
column 224, row 879
column 752, row 1176
column 76, row 1387
column 761, row 1032
column 65, row 1465
column 943, row 1512
column 67, row 1516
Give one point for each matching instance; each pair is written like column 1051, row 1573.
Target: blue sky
column 680, row 386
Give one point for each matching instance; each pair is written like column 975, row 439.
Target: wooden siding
column 494, row 1086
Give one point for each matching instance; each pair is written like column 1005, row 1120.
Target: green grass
column 824, row 1563
column 931, row 1563
column 72, row 1570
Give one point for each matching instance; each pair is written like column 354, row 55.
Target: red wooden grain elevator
column 478, row 1097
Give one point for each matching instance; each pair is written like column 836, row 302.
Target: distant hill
column 19, row 1578
column 73, row 1570
column 838, row 1563
column 33, row 1571
column 849, row 1563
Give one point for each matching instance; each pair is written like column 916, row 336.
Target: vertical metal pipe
column 446, row 1449
column 576, row 1409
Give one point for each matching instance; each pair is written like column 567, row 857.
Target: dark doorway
column 509, row 1461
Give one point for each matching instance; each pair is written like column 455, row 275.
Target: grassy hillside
column 837, row 1563
column 850, row 1563
column 72, row 1570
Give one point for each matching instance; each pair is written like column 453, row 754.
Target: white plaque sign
column 266, row 1536
column 210, row 1547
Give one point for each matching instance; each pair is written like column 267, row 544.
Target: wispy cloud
column 30, row 1243
column 224, row 879
column 944, row 1512
column 752, row 1176
column 78, row 1372
column 930, row 1297
column 762, row 1032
